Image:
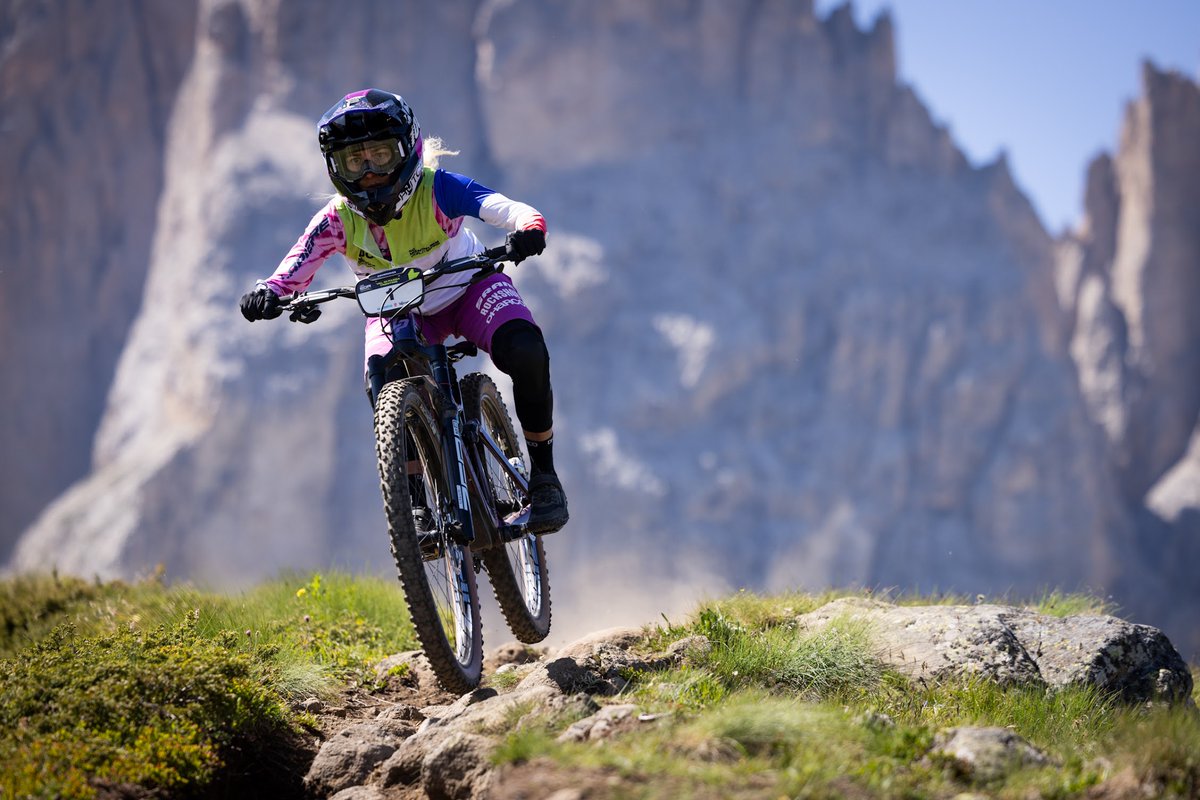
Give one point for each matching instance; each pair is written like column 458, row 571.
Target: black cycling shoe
column 548, row 511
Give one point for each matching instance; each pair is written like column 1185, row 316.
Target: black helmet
column 372, row 131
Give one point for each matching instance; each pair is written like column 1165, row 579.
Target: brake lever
column 305, row 314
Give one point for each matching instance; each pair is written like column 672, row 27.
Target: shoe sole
column 546, row 526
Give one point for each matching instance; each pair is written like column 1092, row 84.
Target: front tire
column 439, row 577
column 517, row 570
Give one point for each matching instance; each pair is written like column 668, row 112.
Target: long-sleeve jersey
column 454, row 197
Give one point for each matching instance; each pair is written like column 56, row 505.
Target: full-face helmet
column 372, row 131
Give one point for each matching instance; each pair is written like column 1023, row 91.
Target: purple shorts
column 475, row 316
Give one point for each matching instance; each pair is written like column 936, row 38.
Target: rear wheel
column 517, row 570
column 437, row 574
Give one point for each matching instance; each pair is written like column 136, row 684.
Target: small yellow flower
column 360, row 622
column 301, row 592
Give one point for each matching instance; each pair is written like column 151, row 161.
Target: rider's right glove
column 261, row 303
column 523, row 244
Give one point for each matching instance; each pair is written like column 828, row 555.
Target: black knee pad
column 519, row 351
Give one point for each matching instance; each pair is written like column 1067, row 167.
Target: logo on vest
column 420, row 251
column 369, row 261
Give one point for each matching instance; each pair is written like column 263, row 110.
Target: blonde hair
column 433, row 150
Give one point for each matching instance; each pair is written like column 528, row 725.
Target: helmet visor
column 380, row 156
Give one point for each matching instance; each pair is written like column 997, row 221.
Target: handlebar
column 303, row 305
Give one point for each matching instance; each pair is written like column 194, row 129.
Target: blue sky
column 1045, row 80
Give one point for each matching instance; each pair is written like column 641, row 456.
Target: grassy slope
column 772, row 712
column 170, row 688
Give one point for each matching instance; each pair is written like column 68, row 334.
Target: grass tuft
column 817, row 664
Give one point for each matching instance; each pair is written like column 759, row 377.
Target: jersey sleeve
column 323, row 237
column 459, row 196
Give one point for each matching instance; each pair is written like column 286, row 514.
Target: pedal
column 512, row 533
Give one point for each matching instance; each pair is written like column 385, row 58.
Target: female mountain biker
column 395, row 208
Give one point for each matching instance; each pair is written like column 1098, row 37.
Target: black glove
column 523, row 244
column 261, row 303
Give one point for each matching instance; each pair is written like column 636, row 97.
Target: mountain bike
column 454, row 481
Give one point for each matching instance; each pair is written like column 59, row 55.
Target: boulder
column 349, row 757
column 601, row 725
column 359, row 793
column 459, row 768
column 482, row 712
column 1018, row 646
column 985, row 754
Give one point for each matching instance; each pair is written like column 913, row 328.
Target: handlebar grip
column 497, row 252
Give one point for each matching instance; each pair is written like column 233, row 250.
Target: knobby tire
column 404, row 420
column 517, row 570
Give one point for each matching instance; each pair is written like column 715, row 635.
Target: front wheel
column 517, row 570
column 438, row 575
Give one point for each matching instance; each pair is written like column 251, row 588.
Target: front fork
column 452, row 445
column 460, row 528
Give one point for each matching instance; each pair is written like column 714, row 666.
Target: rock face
column 215, row 429
column 87, row 93
column 797, row 339
column 1134, row 281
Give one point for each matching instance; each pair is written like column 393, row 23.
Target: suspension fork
column 452, row 440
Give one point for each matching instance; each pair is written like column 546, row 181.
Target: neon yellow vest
column 415, row 234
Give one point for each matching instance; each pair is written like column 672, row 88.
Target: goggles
column 380, row 156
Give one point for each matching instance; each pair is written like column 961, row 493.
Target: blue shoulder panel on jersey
column 457, row 195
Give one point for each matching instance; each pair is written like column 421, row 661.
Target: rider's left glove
column 261, row 303
column 523, row 244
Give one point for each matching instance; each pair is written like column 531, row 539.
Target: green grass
column 166, row 686
column 779, row 656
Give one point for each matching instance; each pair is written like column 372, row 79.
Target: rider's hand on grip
column 523, row 244
column 261, row 303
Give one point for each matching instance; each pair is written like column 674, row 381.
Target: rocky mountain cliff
column 797, row 339
column 86, row 94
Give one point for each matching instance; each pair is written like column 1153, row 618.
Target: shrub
column 31, row 605
column 163, row 708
